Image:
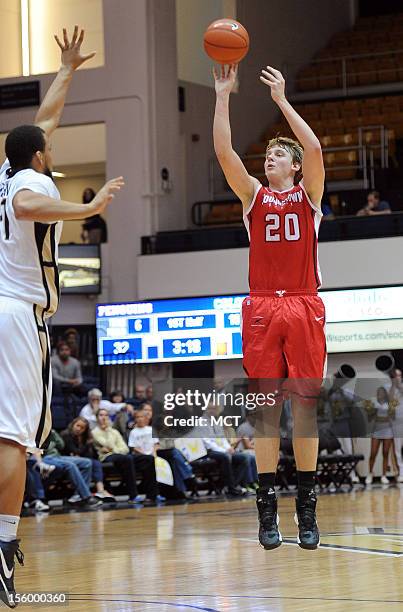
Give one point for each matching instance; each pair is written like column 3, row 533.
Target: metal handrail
column 344, row 70
column 355, row 56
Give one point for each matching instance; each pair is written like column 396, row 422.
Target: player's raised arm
column 312, row 166
column 49, row 113
column 235, row 172
column 32, row 206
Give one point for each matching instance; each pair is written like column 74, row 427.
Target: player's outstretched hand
column 225, row 78
column 275, row 80
column 105, row 195
column 71, row 49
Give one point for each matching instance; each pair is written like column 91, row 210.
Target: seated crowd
column 116, row 435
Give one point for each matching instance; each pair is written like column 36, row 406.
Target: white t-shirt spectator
column 142, row 439
column 88, row 413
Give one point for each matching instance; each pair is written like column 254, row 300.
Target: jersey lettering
column 291, row 227
column 5, row 225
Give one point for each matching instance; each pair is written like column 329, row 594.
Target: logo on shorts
column 281, row 292
column 318, row 318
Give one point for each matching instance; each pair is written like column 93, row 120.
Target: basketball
column 226, row 41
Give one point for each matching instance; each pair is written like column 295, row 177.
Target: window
column 47, row 17
column 10, row 38
column 27, row 45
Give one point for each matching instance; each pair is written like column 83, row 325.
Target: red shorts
column 283, row 336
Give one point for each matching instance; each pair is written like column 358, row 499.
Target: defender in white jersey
column 30, row 225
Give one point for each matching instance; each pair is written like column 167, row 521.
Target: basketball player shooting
column 30, row 228
column 283, row 317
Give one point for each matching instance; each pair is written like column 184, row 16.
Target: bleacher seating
column 372, row 52
column 375, row 122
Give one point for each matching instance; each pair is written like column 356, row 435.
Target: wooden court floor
column 205, row 557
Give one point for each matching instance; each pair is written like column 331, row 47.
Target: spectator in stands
column 112, row 447
column 326, row 207
column 77, row 469
column 375, row 206
column 72, row 339
column 156, row 405
column 95, row 402
column 124, row 421
column 147, row 409
column 184, row 478
column 66, row 371
column 117, row 397
column 34, row 491
column 139, row 396
column 78, row 442
column 382, row 434
column 247, row 448
column 141, row 441
column 94, row 229
column 141, row 437
column 246, row 430
column 246, row 435
column 233, row 466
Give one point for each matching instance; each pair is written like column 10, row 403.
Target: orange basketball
column 226, row 41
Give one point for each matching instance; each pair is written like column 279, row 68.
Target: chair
column 254, row 164
column 235, row 213
column 364, row 71
column 257, row 148
column 307, row 79
column 330, row 76
column 386, row 70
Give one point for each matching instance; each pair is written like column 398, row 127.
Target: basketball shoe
column 269, row 534
column 305, row 518
column 9, row 550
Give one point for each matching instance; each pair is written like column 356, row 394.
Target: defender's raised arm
column 50, row 111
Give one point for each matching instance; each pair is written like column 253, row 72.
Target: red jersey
column 283, row 231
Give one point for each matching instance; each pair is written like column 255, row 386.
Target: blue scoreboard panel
column 169, row 330
column 209, row 327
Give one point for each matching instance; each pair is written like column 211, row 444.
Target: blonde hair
column 293, row 147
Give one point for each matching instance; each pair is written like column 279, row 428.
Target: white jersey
column 28, row 249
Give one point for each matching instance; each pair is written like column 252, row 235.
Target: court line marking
column 352, row 549
column 310, row 598
column 142, row 601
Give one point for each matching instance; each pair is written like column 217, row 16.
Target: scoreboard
column 169, row 330
column 210, row 327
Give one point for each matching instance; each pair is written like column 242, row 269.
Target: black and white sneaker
column 269, row 534
column 305, row 517
column 9, row 550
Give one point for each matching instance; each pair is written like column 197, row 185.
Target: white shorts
column 25, row 380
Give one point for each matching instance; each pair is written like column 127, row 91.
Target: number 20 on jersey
column 277, row 231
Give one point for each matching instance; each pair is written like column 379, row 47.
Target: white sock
column 8, row 527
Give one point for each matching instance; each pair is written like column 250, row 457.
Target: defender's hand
column 71, row 50
column 105, row 195
column 225, row 79
column 275, row 80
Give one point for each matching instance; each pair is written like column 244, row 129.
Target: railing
column 228, row 237
column 346, row 71
column 200, row 211
column 219, row 189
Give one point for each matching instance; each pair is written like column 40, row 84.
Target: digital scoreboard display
column 210, row 327
column 169, row 330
